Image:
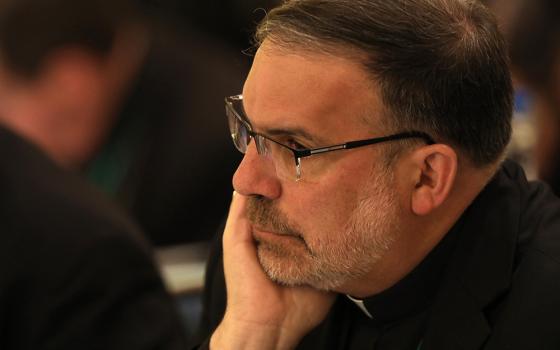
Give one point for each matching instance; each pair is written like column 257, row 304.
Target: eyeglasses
column 293, row 163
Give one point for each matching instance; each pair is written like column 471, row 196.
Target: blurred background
column 532, row 30
column 130, row 95
column 147, row 126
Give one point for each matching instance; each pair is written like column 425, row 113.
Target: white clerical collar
column 360, row 304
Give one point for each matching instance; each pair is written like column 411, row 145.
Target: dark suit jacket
column 74, row 272
column 501, row 289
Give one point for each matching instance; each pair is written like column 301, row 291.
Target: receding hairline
column 344, row 29
column 275, row 45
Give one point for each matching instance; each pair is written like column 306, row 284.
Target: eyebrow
column 294, row 132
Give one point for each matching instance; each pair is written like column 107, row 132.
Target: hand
column 261, row 314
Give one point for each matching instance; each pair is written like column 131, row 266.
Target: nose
column 256, row 176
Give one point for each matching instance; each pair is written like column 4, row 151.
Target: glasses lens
column 238, row 129
column 282, row 157
column 284, row 160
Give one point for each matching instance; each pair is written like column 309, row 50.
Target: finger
column 237, row 226
column 240, row 255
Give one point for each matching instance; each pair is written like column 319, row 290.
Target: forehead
column 329, row 96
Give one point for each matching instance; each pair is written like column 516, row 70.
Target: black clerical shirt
column 492, row 283
column 398, row 314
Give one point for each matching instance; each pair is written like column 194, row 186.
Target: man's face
column 327, row 230
column 64, row 109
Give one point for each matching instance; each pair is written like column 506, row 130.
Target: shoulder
column 74, row 271
column 38, row 197
column 525, row 316
column 51, row 219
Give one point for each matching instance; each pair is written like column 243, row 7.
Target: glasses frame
column 302, row 153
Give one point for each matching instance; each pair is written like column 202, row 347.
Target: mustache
column 263, row 214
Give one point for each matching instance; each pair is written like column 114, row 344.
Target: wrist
column 250, row 336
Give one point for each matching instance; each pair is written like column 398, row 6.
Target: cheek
column 321, row 211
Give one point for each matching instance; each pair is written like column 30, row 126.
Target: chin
column 282, row 268
column 298, row 271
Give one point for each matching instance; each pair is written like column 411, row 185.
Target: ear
column 436, row 168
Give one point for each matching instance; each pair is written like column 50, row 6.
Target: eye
column 294, row 144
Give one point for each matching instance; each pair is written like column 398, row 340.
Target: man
column 373, row 209
column 106, row 91
column 75, row 273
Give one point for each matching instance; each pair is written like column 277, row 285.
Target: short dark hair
column 441, row 65
column 31, row 29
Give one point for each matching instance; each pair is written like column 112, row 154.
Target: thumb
column 237, row 225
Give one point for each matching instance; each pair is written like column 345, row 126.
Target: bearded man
column 373, row 208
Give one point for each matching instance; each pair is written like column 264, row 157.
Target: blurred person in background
column 108, row 93
column 533, row 30
column 75, row 272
